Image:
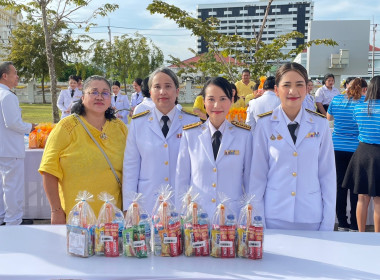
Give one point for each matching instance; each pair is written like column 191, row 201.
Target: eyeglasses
column 105, row 94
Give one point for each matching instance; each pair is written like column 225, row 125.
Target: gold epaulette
column 189, row 113
column 265, row 114
column 140, row 114
column 241, row 125
column 315, row 113
column 192, row 125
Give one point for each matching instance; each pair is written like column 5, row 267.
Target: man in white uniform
column 12, row 150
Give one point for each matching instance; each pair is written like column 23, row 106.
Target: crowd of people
column 285, row 154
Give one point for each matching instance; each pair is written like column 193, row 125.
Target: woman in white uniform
column 120, row 103
column 69, row 96
column 215, row 156
column 293, row 167
column 151, row 153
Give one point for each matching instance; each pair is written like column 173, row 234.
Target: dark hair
column 79, row 77
column 4, row 68
column 373, row 92
column 236, row 97
column 145, row 88
column 355, row 90
column 87, row 82
column 246, row 71
column 256, row 86
column 325, row 78
column 166, row 71
column 73, row 77
column 269, row 83
column 219, row 82
column 347, row 81
column 138, row 81
column 291, row 66
column 116, row 83
column 78, row 108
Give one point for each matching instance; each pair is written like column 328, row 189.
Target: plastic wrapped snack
column 80, row 227
column 38, row 137
column 109, row 228
column 196, row 226
column 250, row 230
column 136, row 234
column 167, row 239
column 223, row 232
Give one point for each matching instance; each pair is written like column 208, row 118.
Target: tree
column 54, row 13
column 128, row 57
column 27, row 51
column 256, row 54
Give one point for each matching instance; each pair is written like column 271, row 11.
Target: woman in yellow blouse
column 238, row 102
column 72, row 162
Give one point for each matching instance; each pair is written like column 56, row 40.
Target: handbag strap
column 100, row 148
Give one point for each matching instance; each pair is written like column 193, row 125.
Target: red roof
column 196, row 58
column 376, row 48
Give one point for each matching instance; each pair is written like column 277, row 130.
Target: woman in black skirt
column 363, row 172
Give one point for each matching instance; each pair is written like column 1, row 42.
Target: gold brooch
column 279, row 137
column 273, row 137
column 103, row 136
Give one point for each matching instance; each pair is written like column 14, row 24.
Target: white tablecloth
column 36, row 205
column 39, row 252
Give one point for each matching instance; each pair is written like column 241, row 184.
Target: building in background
column 245, row 19
column 8, row 21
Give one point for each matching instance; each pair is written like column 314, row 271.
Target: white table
column 36, row 205
column 39, row 252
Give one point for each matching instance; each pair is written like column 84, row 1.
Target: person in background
column 293, row 168
column 69, row 96
column 147, row 103
column 120, row 103
column 325, row 94
column 150, row 157
column 80, row 83
column 215, row 156
column 253, row 95
column 309, row 102
column 237, row 102
column 199, row 107
column 136, row 97
column 346, row 84
column 245, row 85
column 72, row 162
column 345, row 138
column 267, row 102
column 362, row 175
column 12, row 150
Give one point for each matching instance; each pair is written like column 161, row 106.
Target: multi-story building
column 245, row 19
column 8, row 21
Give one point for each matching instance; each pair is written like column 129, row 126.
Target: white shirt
column 324, row 95
column 171, row 116
column 136, row 98
column 12, row 128
column 146, row 104
column 265, row 103
column 65, row 101
column 122, row 106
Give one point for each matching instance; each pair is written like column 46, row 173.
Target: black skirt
column 363, row 172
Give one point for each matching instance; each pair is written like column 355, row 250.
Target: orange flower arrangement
column 237, row 114
column 39, row 136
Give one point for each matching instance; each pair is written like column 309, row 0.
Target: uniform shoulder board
column 265, row 114
column 241, row 125
column 189, row 113
column 315, row 113
column 140, row 114
column 192, row 125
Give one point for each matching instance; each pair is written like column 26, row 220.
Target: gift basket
column 250, row 231
column 223, row 231
column 39, row 136
column 167, row 241
column 136, row 234
column 109, row 228
column 196, row 226
column 80, row 227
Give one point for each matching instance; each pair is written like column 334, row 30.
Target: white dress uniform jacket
column 229, row 173
column 136, row 99
column 294, row 183
column 150, row 159
column 122, row 106
column 265, row 103
column 309, row 102
column 65, row 101
column 146, row 104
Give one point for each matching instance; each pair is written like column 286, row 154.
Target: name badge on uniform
column 312, row 134
column 179, row 135
column 231, row 152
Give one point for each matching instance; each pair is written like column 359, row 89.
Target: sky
column 132, row 17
